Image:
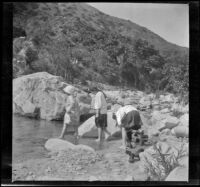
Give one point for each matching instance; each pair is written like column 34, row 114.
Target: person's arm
column 119, row 116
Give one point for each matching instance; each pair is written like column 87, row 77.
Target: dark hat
column 94, row 89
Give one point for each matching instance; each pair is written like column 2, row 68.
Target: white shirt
column 100, row 103
column 122, row 112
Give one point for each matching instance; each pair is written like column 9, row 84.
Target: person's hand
column 60, row 137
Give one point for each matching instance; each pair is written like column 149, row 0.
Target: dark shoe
column 131, row 159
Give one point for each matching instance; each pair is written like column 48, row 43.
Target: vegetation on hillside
column 78, row 42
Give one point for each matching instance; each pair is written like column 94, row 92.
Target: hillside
column 79, row 42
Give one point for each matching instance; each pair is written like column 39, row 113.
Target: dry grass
column 164, row 163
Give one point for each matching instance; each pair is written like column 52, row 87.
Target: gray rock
column 178, row 174
column 43, row 91
column 89, row 129
column 57, row 145
column 184, row 119
column 180, row 131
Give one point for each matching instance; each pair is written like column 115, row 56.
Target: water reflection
column 30, row 135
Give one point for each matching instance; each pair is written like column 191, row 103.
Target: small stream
column 30, row 135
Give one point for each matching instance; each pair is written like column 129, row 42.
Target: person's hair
column 93, row 89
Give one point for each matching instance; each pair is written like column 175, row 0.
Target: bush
column 165, row 163
column 31, row 56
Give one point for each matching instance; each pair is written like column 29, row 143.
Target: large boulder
column 57, row 145
column 89, row 129
column 180, row 173
column 41, row 94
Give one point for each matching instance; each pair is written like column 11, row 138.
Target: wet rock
column 56, row 145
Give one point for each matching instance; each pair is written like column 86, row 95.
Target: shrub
column 31, row 56
column 164, row 164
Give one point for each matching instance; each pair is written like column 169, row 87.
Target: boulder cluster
column 164, row 117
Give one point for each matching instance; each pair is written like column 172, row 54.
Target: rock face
column 178, row 174
column 40, row 94
column 89, row 129
column 57, row 145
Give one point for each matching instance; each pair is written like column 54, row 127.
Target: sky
column 170, row 21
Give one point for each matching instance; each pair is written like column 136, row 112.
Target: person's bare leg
column 76, row 135
column 107, row 133
column 63, row 131
column 99, row 134
column 123, row 138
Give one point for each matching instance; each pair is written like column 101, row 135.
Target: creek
column 29, row 137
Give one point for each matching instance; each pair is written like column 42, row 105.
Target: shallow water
column 30, row 135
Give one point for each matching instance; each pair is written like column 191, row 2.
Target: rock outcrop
column 40, row 94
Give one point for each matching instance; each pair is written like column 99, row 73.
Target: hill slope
column 77, row 40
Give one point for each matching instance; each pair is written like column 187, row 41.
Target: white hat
column 69, row 89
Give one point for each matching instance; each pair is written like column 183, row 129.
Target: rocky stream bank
column 166, row 122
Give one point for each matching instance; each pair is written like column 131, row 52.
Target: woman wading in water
column 72, row 114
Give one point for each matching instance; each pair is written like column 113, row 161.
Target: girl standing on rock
column 72, row 114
